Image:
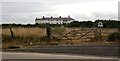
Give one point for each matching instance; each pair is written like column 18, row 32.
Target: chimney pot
column 51, row 17
column 43, row 17
column 60, row 17
column 69, row 16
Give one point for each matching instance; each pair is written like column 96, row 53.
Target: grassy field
column 34, row 36
column 25, row 32
column 22, row 35
column 75, row 33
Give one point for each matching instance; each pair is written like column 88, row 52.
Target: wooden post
column 48, row 29
column 100, row 32
column 12, row 34
column 118, row 30
column 96, row 32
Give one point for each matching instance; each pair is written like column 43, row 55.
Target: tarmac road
column 96, row 50
column 21, row 55
column 66, row 53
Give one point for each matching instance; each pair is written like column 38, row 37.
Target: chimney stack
column 36, row 19
column 43, row 17
column 60, row 17
column 51, row 17
column 69, row 16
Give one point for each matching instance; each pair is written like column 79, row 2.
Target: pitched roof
column 55, row 18
column 43, row 18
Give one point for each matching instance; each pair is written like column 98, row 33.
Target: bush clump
column 13, row 47
column 114, row 37
column 53, row 43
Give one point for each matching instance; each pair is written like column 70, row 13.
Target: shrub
column 44, row 38
column 59, row 29
column 55, row 39
column 6, row 38
column 114, row 36
column 13, row 47
column 53, row 43
column 69, row 42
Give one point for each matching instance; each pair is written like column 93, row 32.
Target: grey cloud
column 82, row 17
column 13, row 8
column 119, row 11
column 105, row 16
column 17, row 19
column 54, row 1
column 0, row 13
column 25, row 12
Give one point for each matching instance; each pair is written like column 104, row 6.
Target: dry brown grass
column 22, row 36
column 85, row 31
column 25, row 32
column 36, row 33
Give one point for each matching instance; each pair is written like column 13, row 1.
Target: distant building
column 54, row 20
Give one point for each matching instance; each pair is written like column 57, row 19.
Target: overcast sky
column 25, row 11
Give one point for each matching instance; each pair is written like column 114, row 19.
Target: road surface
column 21, row 55
column 96, row 50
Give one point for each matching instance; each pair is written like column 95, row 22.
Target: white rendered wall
column 52, row 22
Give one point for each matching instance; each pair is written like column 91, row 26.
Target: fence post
column 49, row 35
column 118, row 30
column 96, row 32
column 12, row 34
